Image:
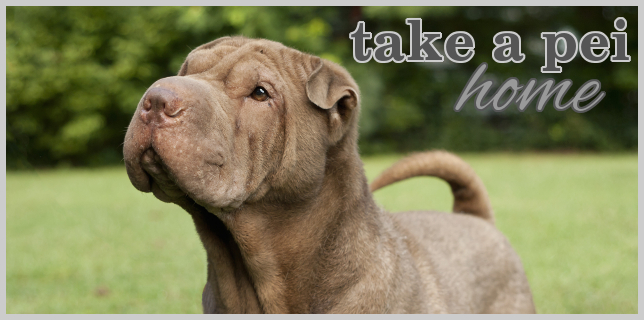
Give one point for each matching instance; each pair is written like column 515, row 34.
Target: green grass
column 85, row 241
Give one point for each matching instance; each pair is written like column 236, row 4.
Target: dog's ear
column 330, row 87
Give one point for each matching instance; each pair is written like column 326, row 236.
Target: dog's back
column 479, row 271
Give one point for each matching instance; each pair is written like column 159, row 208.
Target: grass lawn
column 85, row 241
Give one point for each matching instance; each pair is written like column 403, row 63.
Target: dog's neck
column 272, row 257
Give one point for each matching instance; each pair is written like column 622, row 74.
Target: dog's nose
column 159, row 103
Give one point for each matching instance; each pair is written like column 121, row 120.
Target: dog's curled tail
column 469, row 192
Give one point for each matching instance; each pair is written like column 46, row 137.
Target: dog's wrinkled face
column 242, row 117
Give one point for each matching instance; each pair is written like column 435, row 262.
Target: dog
column 258, row 143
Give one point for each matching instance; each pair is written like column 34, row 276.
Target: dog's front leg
column 208, row 303
column 229, row 288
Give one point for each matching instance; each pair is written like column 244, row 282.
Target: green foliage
column 84, row 241
column 76, row 74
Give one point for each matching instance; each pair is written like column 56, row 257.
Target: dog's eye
column 259, row 94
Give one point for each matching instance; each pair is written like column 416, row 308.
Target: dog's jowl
column 257, row 142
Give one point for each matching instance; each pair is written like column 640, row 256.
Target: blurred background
column 81, row 239
column 75, row 75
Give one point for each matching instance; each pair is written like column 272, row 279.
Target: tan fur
column 279, row 198
column 470, row 195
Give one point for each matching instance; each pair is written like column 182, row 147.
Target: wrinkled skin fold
column 278, row 195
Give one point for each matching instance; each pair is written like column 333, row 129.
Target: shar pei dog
column 258, row 143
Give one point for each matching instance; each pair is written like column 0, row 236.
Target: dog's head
column 243, row 119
